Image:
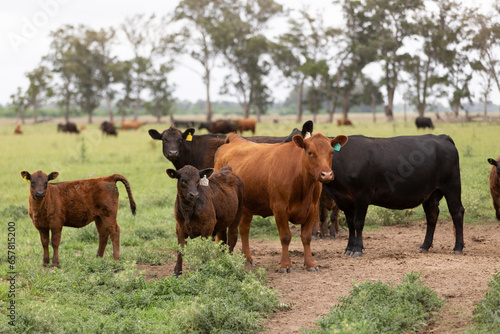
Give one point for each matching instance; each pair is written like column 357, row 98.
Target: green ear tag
column 337, row 147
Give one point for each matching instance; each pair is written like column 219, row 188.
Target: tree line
column 430, row 49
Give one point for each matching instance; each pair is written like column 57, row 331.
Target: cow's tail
column 123, row 180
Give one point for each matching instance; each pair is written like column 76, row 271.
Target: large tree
column 19, row 101
column 238, row 37
column 394, row 21
column 160, row 91
column 202, row 16
column 39, row 88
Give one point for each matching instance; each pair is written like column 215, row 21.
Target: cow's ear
column 188, row 134
column 206, row 172
column 307, row 129
column 299, row 141
column 26, row 176
column 493, row 162
column 53, row 175
column 172, row 173
column 338, row 142
column 154, row 134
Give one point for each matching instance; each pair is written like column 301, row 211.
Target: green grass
column 487, row 311
column 100, row 295
column 383, row 308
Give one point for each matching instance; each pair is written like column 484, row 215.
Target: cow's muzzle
column 39, row 195
column 173, row 154
column 326, row 177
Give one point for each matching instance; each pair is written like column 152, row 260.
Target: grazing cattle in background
column 397, row 173
column 281, row 180
column 183, row 124
column 424, row 122
column 132, row 125
column 108, row 128
column 344, row 121
column 206, row 207
column 320, row 228
column 495, row 184
column 246, row 124
column 68, row 127
column 18, row 130
column 185, row 148
column 223, row 126
column 75, row 204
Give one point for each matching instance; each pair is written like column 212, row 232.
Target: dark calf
column 75, row 204
column 206, row 207
column 495, row 184
column 320, row 228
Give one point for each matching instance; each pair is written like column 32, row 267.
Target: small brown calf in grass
column 206, row 207
column 75, row 204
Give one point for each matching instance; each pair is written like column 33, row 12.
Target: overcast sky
column 25, row 25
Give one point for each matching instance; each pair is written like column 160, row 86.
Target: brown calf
column 206, row 207
column 495, row 184
column 320, row 228
column 75, row 204
column 281, row 180
column 18, row 130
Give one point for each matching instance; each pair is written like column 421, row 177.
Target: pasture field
column 96, row 295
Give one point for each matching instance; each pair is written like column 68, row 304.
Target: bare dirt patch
column 390, row 253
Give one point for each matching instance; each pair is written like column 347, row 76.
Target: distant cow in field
column 68, row 127
column 344, row 121
column 75, row 204
column 206, row 207
column 320, row 228
column 132, row 125
column 18, row 130
column 246, row 124
column 108, row 128
column 186, row 148
column 219, row 126
column 495, row 184
column 397, row 173
column 424, row 122
column 183, row 124
column 281, row 180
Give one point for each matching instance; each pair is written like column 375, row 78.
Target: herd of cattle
column 222, row 181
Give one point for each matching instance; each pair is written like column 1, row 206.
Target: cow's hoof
column 251, row 263
column 457, row 252
column 356, row 254
column 348, row 253
column 285, row 270
column 313, row 269
column 423, row 250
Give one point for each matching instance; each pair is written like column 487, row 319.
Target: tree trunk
column 333, row 106
column 299, row 102
column 373, row 106
column 90, row 112
column 208, row 104
column 345, row 103
column 108, row 107
column 421, row 109
column 35, row 110
column 390, row 104
column 137, row 99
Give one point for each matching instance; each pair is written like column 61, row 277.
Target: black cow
column 397, row 173
column 68, row 127
column 185, row 148
column 424, row 122
column 108, row 128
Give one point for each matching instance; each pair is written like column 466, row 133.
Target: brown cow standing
column 132, row 125
column 75, row 204
column 495, row 184
column 206, row 209
column 281, row 180
column 344, row 121
column 246, row 124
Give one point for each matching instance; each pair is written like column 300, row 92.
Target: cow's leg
column 323, row 219
column 316, row 231
column 56, row 241
column 45, row 238
column 334, row 220
column 281, row 219
column 222, row 236
column 431, row 209
column 457, row 214
column 103, row 232
column 115, row 240
column 359, row 224
column 233, row 233
column 305, row 235
column 244, row 226
column 181, row 240
column 349, row 216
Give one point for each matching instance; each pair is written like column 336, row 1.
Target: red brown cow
column 495, row 184
column 18, row 130
column 320, row 228
column 132, row 125
column 75, row 204
column 246, row 124
column 281, row 180
column 344, row 121
column 206, row 207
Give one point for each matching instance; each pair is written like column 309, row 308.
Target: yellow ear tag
column 189, row 137
column 26, row 179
